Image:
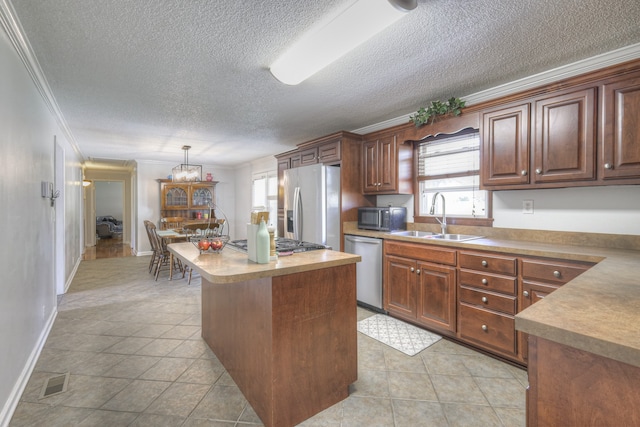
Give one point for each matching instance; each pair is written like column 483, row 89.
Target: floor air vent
column 55, row 385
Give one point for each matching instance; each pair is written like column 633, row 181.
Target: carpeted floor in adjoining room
column 133, row 349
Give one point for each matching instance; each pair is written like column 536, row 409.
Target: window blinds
column 451, row 155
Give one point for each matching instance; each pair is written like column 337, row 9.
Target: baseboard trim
column 72, row 275
column 144, row 253
column 14, row 397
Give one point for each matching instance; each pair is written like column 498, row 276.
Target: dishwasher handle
column 370, row 241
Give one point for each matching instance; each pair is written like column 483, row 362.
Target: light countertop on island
column 231, row 266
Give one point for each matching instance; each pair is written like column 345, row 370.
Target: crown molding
column 15, row 32
column 594, row 63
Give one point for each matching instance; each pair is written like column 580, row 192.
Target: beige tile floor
column 135, row 357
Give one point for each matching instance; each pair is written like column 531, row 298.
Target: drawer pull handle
column 485, row 328
column 484, row 299
column 418, row 271
column 523, row 172
column 526, row 294
column 538, row 171
column 608, row 166
column 484, row 263
column 485, row 281
column 412, row 269
column 557, row 274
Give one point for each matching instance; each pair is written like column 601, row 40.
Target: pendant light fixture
column 354, row 26
column 185, row 172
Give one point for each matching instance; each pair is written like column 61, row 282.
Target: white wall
column 28, row 303
column 611, row 209
column 110, row 198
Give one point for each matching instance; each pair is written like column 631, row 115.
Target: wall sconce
column 46, row 191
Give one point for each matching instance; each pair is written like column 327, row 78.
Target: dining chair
column 154, row 258
column 171, row 222
column 162, row 254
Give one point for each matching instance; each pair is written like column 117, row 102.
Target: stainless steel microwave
column 382, row 218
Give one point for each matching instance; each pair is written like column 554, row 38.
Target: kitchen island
column 285, row 331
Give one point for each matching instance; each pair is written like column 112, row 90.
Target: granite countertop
column 598, row 312
column 231, row 266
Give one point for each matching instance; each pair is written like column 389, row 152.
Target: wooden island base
column 571, row 387
column 289, row 342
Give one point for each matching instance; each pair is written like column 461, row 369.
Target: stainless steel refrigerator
column 312, row 204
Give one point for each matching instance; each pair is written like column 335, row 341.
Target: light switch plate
column 527, row 206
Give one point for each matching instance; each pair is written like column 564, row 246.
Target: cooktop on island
column 282, row 245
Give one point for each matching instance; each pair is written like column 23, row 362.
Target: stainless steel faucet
column 443, row 222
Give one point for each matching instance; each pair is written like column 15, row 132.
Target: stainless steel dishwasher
column 368, row 271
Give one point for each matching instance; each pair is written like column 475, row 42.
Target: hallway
column 108, row 248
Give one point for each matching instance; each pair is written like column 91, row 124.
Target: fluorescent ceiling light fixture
column 354, row 26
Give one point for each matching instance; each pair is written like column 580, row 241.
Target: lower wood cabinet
column 487, row 301
column 472, row 296
column 420, row 291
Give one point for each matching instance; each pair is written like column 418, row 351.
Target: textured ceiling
column 137, row 79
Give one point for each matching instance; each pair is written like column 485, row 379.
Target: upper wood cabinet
column 387, row 166
column 565, row 137
column 620, row 127
column 541, row 143
column 505, row 146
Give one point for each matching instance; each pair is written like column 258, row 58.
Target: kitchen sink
column 413, row 233
column 455, row 237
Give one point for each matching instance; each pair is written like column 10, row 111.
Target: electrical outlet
column 527, row 206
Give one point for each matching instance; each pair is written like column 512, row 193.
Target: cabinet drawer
column 420, row 252
column 490, row 300
column 488, row 262
column 488, row 281
column 552, row 270
column 329, row 152
column 488, row 329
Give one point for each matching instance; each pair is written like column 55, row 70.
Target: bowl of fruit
column 213, row 244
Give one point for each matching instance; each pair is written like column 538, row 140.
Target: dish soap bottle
column 262, row 244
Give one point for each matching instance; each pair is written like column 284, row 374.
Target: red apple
column 204, row 244
column 216, row 245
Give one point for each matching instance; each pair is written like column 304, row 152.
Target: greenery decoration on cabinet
column 437, row 108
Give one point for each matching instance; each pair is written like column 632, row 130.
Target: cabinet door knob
column 418, row 271
column 485, row 328
column 557, row 274
column 484, row 299
column 526, row 294
column 538, row 171
column 412, row 269
column 523, row 172
column 485, row 281
column 608, row 166
column 484, row 263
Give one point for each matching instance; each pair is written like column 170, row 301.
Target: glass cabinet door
column 175, row 197
column 201, row 196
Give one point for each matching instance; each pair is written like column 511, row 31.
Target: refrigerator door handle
column 297, row 214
